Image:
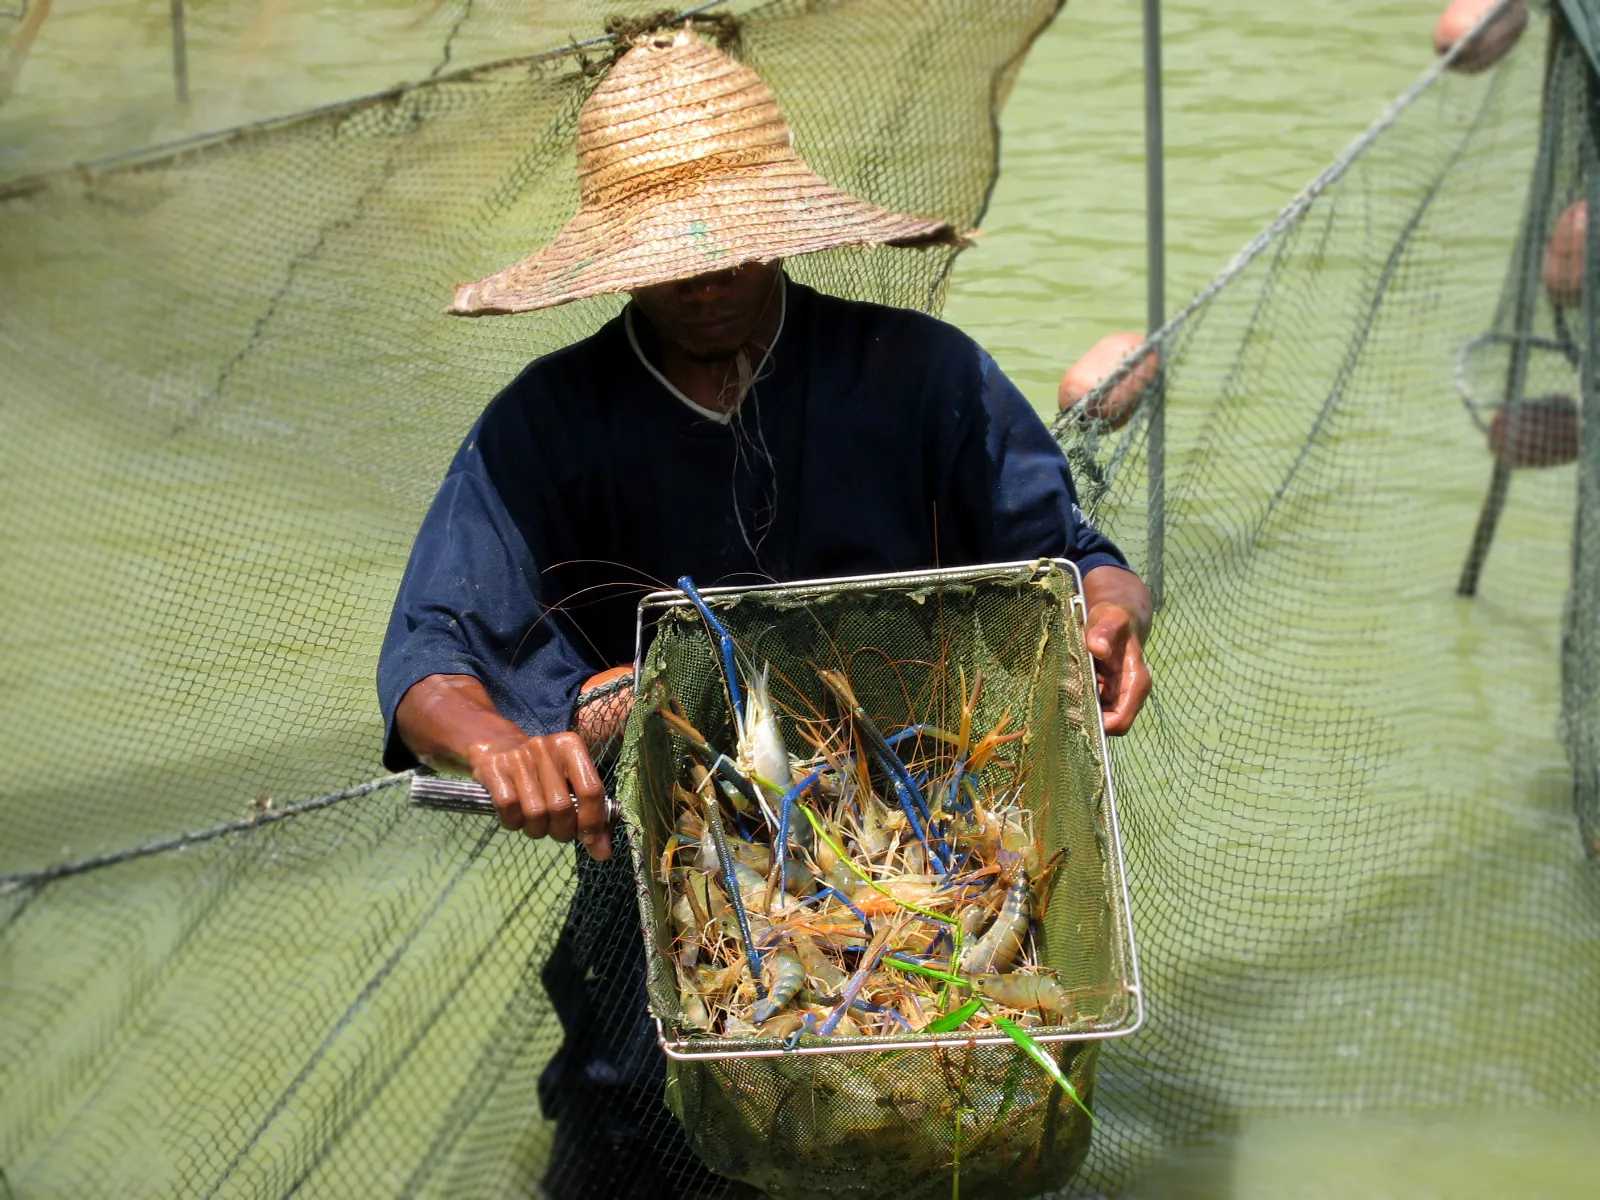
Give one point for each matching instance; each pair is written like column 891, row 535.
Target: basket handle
column 444, row 794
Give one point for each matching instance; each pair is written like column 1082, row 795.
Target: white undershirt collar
column 710, row 414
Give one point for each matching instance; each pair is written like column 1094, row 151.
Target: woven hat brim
column 754, row 214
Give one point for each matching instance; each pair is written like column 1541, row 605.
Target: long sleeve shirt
column 875, row 439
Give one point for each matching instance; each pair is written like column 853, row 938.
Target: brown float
column 1120, row 401
column 1542, row 432
column 1491, row 44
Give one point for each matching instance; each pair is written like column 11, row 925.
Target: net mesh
column 223, row 486
column 81, row 79
column 229, row 393
column 1337, row 908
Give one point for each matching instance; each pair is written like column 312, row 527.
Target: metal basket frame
column 1124, row 949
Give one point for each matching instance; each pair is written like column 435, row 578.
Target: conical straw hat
column 686, row 165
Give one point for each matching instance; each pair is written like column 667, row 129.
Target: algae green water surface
column 1260, row 96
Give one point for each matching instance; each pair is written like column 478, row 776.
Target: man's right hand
column 546, row 786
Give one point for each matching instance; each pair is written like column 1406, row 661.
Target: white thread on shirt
column 710, row 414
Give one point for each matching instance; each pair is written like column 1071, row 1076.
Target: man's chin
column 711, row 350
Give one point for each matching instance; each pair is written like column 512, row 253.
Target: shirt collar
column 710, row 414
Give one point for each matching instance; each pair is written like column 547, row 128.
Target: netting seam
column 413, row 120
column 402, row 1059
column 23, row 880
column 414, row 116
column 1358, row 343
column 1085, row 455
column 391, row 164
column 488, row 1073
column 450, row 40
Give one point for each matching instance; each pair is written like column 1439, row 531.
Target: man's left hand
column 1119, row 621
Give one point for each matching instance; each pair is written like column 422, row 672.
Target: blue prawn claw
column 787, row 974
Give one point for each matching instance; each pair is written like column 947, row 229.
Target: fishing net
column 228, row 393
column 1357, row 497
column 237, row 390
column 81, row 79
column 885, row 1121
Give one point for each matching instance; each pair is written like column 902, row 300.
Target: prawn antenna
column 718, row 763
column 785, row 812
column 904, row 786
column 725, row 644
column 731, row 882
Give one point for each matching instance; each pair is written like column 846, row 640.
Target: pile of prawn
column 882, row 884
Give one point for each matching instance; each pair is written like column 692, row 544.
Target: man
column 731, row 425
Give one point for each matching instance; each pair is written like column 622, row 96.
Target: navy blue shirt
column 876, row 439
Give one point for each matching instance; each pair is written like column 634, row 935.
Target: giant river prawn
column 881, row 884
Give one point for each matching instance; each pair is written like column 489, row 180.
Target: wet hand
column 1120, row 673
column 546, row 786
column 1119, row 616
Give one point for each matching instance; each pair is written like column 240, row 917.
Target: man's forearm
column 448, row 720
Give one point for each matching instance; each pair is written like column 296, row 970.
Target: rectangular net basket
column 863, row 1115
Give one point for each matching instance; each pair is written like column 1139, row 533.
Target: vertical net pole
column 1535, row 228
column 1156, row 293
column 1581, row 648
column 29, row 16
column 180, row 53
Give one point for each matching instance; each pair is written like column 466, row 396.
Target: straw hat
column 686, row 165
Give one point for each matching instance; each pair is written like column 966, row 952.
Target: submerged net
column 228, row 393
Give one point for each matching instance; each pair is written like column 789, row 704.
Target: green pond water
column 1260, row 96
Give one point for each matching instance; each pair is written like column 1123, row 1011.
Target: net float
column 1119, row 402
column 1563, row 255
column 1491, row 44
column 604, row 701
column 1540, row 432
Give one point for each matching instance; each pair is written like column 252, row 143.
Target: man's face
column 709, row 317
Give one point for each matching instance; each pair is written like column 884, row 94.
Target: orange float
column 609, row 675
column 1118, row 404
column 1492, row 44
column 1542, row 432
column 600, row 725
column 1563, row 255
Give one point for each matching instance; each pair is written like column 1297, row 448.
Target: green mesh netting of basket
column 873, row 1114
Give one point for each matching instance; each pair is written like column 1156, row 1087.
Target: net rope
column 90, row 81
column 236, row 391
